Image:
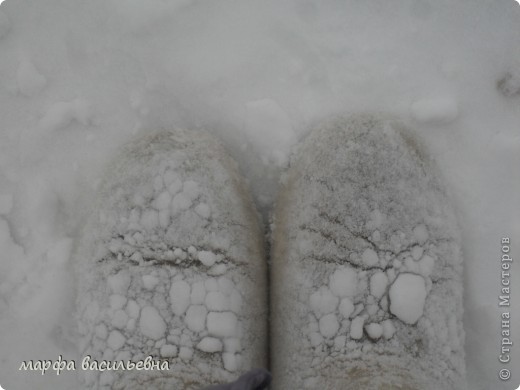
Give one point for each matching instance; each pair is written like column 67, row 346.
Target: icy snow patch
column 216, row 301
column 210, row 345
column 222, row 324
column 376, row 220
column 370, row 257
column 217, row 270
column 420, row 233
column 203, row 210
column 116, row 340
column 196, row 318
column 132, row 308
column 150, row 281
column 323, row 302
column 329, row 325
column 426, row 265
column 417, row 252
column 232, row 345
column 346, row 307
column 407, row 297
column 343, row 282
column 180, row 203
column 168, row 351
column 175, row 186
column 315, row 339
column 150, row 219
column 164, row 218
column 151, row 323
column 180, row 297
column 339, row 342
column 388, row 329
column 207, row 258
column 356, row 328
column 186, row 353
column 119, row 283
column 230, row 361
column 378, row 284
column 226, row 286
column 191, row 189
column 162, row 201
column 117, row 301
column 119, row 319
column 211, row 284
column 101, row 331
column 374, row 331
column 198, row 293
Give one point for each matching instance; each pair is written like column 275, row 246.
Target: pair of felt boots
column 365, row 286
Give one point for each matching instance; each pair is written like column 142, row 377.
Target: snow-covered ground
column 80, row 78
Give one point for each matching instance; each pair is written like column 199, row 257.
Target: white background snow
column 79, row 78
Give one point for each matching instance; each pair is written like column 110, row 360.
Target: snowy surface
column 80, row 78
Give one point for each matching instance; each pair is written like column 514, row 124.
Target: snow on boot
column 171, row 266
column 367, row 265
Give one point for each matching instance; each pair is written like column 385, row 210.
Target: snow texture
column 402, row 287
column 164, row 298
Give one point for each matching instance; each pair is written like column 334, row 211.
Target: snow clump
column 407, row 297
column 343, row 282
column 151, row 323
